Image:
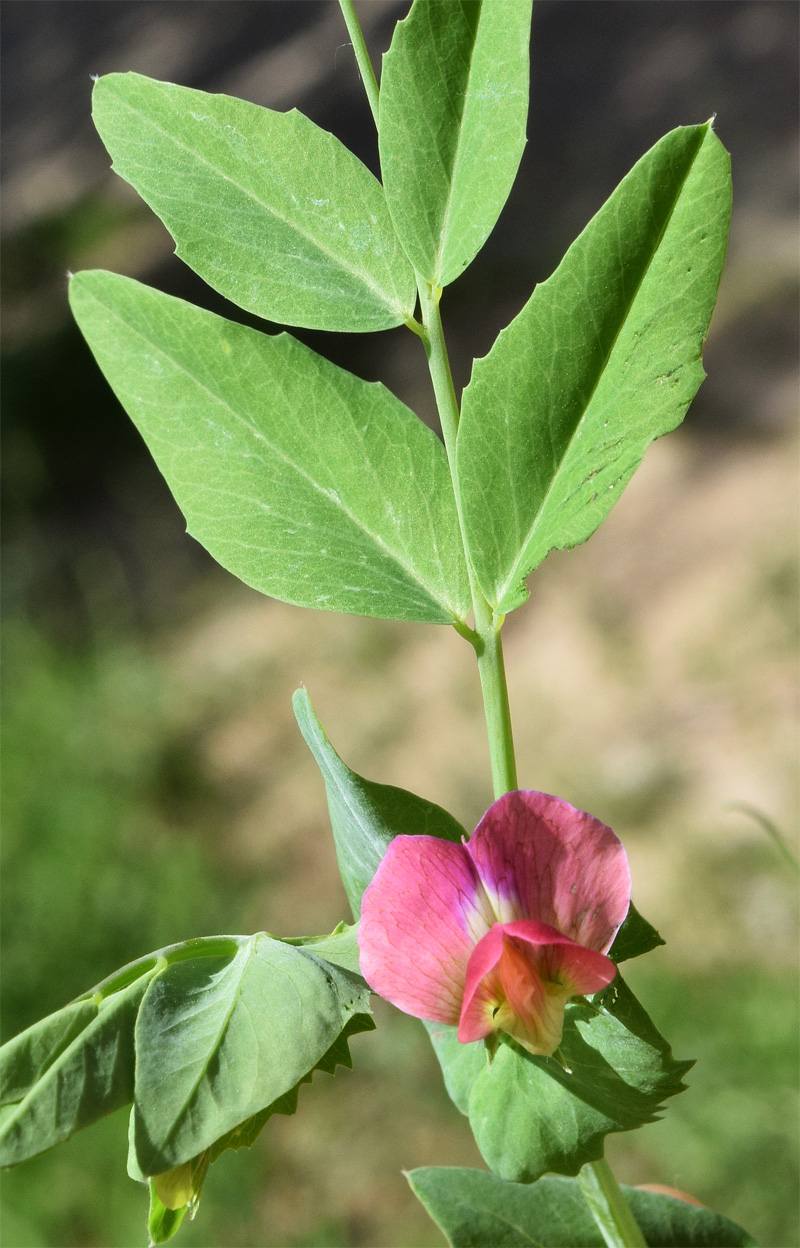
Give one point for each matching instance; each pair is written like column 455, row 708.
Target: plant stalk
column 609, row 1207
column 486, row 638
column 362, row 55
column 601, row 1190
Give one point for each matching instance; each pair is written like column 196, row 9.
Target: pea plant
column 325, row 491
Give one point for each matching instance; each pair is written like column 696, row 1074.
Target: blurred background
column 155, row 785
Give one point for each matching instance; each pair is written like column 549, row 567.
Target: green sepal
column 474, row 1209
column 365, row 816
column 163, row 1221
column 635, row 937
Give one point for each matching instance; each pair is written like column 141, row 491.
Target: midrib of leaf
column 358, row 523
column 514, row 575
column 18, row 1108
column 503, row 1220
column 178, row 1119
column 361, row 274
column 456, row 154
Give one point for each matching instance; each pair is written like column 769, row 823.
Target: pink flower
column 496, row 934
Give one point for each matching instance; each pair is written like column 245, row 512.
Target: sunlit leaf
column 366, row 816
column 306, row 482
column 603, row 358
column 220, row 1038
column 273, row 212
column 453, row 106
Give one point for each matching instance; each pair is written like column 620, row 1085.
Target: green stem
column 609, row 1207
column 486, row 637
column 362, row 55
column 601, row 1190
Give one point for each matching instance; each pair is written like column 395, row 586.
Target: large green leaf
column 366, row 816
column 271, row 211
column 208, row 1038
column 175, row 1192
column 305, row 481
column 603, row 358
column 219, row 1039
column 69, row 1070
column 453, row 106
column 531, row 1115
column 478, row 1210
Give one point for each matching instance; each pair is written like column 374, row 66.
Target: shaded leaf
column 338, row 1054
column 175, row 1192
column 87, row 1073
column 25, row 1059
column 530, row 1115
column 453, row 107
column 461, row 1063
column 635, row 937
column 219, row 1039
column 475, row 1209
column 304, row 481
column 366, row 816
column 273, row 212
column 603, row 358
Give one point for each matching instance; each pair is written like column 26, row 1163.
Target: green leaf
column 163, row 1221
column 304, row 481
column 271, row 211
column 453, row 107
column 474, row 1209
column 27, row 1057
column 340, row 948
column 221, row 1038
column 175, row 1192
column 603, row 358
column 461, row 1063
column 635, row 937
column 365, row 816
column 71, row 1069
column 338, row 1054
column 530, row 1115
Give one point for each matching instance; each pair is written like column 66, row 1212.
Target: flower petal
column 539, row 858
column 559, row 960
column 420, row 919
column 519, row 980
column 482, row 990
